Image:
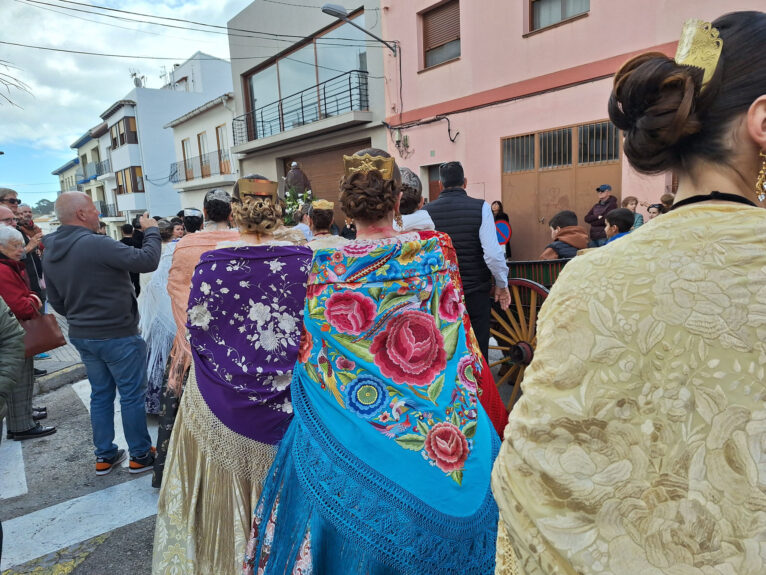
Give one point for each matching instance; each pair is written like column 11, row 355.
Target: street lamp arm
column 340, row 13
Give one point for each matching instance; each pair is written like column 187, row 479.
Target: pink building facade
column 517, row 92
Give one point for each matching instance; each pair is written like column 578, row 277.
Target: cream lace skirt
column 213, row 479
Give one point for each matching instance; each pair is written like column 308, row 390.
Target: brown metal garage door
column 324, row 170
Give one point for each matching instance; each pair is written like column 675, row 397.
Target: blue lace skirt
column 324, row 511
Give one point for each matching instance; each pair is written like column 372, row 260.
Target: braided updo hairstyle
column 668, row 120
column 260, row 215
column 368, row 197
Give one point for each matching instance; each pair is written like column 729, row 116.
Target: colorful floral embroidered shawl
column 390, row 444
column 244, row 324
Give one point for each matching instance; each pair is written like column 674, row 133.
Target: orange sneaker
column 141, row 464
column 105, row 465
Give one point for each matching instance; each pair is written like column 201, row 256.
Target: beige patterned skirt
column 213, row 479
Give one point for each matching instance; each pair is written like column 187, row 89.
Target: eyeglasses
column 11, row 201
column 9, row 220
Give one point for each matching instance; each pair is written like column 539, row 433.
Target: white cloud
column 68, row 91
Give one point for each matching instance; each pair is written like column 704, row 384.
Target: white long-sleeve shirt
column 494, row 253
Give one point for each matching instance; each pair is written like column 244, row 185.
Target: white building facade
column 203, row 140
column 124, row 162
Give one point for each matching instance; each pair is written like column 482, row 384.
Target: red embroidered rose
column 450, row 306
column 344, row 364
column 410, row 349
column 447, row 446
column 350, row 312
column 304, row 351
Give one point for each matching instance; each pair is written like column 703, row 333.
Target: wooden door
column 324, row 169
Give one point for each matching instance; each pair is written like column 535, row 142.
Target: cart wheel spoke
column 504, row 337
column 516, row 388
column 519, row 312
column 496, row 363
column 532, row 315
column 511, row 332
column 514, row 369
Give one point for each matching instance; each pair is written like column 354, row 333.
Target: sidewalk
column 64, row 366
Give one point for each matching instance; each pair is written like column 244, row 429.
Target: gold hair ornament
column 257, row 188
column 760, row 183
column 700, row 47
column 322, row 205
column 367, row 163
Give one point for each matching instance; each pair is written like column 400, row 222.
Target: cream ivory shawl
column 639, row 445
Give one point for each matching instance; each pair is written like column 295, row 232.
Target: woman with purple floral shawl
column 244, row 323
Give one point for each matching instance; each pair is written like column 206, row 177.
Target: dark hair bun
column 653, row 102
column 367, row 197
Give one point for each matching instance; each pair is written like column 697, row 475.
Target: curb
column 60, row 378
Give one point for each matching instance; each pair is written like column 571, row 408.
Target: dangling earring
column 760, row 183
column 400, row 223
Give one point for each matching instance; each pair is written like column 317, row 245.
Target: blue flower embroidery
column 366, row 396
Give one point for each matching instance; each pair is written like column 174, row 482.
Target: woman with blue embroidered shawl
column 244, row 324
column 385, row 467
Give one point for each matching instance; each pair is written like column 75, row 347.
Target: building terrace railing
column 210, row 164
column 347, row 92
column 103, row 167
column 107, row 210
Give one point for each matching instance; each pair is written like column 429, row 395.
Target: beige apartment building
column 310, row 94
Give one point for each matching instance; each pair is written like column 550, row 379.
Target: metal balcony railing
column 211, row 164
column 344, row 93
column 107, row 210
column 104, row 167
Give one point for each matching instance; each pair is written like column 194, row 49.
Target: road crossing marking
column 13, row 479
column 70, row 522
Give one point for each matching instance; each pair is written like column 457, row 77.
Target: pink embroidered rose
column 450, row 306
column 304, row 351
column 358, row 249
column 410, row 349
column 344, row 364
column 350, row 312
column 447, row 446
column 465, row 372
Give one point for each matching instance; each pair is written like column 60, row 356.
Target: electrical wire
column 128, row 56
column 311, row 6
column 292, row 38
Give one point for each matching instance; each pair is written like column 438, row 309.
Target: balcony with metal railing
column 338, row 102
column 86, row 173
column 211, row 168
column 104, row 167
column 107, row 210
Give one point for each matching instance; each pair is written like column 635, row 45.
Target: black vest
column 459, row 215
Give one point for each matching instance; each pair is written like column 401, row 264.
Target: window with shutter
column 441, row 33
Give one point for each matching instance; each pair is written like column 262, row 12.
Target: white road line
column 65, row 524
column 82, row 389
column 13, row 478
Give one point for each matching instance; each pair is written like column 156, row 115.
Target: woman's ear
column 756, row 122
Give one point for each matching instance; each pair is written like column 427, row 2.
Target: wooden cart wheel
column 515, row 330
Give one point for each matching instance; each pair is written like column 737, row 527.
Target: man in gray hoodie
column 88, row 280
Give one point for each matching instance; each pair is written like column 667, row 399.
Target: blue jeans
column 597, row 243
column 116, row 364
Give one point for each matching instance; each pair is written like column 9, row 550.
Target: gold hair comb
column 322, row 205
column 700, row 46
column 257, row 188
column 367, row 163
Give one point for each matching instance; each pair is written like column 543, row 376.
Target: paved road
column 57, row 513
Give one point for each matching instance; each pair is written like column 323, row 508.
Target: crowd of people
column 325, row 401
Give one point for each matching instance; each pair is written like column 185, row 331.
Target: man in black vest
column 469, row 223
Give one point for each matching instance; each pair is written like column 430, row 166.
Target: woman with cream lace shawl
column 638, row 446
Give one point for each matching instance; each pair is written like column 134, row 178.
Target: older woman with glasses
column 25, row 305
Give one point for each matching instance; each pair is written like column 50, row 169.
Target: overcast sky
column 68, row 92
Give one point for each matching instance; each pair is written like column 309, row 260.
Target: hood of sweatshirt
column 59, row 243
column 574, row 236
